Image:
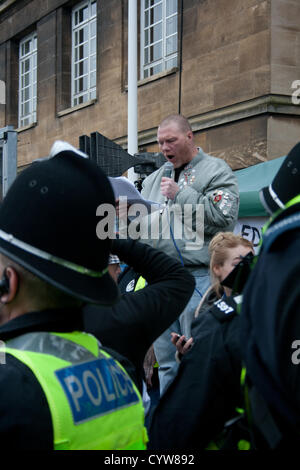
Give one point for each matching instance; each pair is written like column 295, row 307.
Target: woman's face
column 234, row 256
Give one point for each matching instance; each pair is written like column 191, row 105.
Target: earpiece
column 4, row 284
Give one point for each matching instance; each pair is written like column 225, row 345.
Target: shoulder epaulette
column 224, row 309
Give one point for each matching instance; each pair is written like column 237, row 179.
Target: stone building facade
column 236, row 79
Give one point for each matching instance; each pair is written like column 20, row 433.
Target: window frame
column 162, row 61
column 91, row 91
column 31, row 116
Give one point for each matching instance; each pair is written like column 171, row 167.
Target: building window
column 84, row 52
column 159, row 27
column 27, row 80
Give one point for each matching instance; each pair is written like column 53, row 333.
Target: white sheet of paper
column 123, row 187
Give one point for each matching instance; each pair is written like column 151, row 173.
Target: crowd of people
column 83, row 341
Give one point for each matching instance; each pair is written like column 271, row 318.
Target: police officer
column 59, row 389
column 270, row 320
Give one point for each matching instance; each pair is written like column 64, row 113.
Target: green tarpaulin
column 250, row 181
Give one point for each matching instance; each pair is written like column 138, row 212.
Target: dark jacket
column 203, row 396
column 271, row 325
column 132, row 324
column 127, row 280
column 208, row 299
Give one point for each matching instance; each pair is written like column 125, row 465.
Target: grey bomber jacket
column 207, row 202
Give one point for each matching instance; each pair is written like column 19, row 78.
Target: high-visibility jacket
column 93, row 402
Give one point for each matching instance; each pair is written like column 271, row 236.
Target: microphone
column 167, row 173
column 168, row 168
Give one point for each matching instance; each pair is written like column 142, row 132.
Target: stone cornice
column 268, row 104
column 5, row 4
column 271, row 104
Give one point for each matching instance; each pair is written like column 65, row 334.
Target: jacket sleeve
column 220, row 197
column 134, row 322
column 169, row 288
column 147, row 184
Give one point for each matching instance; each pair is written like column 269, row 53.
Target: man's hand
column 122, row 207
column 168, row 188
column 149, row 362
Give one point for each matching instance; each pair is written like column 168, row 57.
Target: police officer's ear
column 9, row 284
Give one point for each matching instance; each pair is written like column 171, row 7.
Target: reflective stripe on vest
column 93, row 402
column 141, row 282
column 290, row 203
column 272, row 233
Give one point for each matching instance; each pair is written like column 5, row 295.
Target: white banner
column 250, row 228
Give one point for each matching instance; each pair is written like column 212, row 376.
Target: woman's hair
column 218, row 249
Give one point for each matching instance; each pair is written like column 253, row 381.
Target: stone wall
column 239, row 58
column 284, row 128
column 226, row 53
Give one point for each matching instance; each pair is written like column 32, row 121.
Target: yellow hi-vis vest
column 93, row 402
